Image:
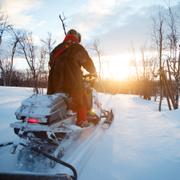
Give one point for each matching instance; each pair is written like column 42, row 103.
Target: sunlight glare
column 115, row 67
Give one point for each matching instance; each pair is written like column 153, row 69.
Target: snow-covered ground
column 141, row 144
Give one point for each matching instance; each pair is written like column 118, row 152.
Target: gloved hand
column 94, row 74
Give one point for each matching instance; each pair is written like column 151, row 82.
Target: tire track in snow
column 9, row 102
column 82, row 150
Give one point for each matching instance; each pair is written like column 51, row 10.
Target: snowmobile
column 45, row 122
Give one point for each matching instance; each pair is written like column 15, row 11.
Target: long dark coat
column 65, row 73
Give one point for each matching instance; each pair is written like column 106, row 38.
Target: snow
column 141, row 144
column 41, row 105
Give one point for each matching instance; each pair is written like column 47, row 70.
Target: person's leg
column 82, row 111
column 82, row 116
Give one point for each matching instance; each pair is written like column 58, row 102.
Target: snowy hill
column 141, row 144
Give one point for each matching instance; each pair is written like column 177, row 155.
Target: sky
column 115, row 24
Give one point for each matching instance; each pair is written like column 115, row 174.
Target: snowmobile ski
column 109, row 117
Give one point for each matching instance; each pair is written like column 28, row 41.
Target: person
column 65, row 74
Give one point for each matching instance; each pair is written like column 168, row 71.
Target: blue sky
column 113, row 22
column 116, row 24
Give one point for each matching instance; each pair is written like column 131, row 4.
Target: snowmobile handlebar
column 89, row 77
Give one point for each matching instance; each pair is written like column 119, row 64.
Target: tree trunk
column 161, row 92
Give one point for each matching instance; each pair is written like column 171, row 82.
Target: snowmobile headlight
column 92, row 112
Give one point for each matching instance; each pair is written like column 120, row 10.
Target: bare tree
column 173, row 34
column 4, row 25
column 47, row 47
column 15, row 42
column 158, row 35
column 48, row 43
column 5, row 69
column 3, row 72
column 63, row 19
column 42, row 70
column 134, row 61
column 28, row 49
column 97, row 50
column 147, row 74
column 173, row 62
column 98, row 53
column 4, row 64
column 9, row 56
column 37, row 59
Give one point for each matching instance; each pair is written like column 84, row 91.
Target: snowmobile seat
column 30, row 176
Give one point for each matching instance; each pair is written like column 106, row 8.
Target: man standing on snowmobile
column 65, row 73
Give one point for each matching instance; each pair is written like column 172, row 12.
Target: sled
column 45, row 124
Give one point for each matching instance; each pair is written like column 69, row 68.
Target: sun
column 115, row 67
